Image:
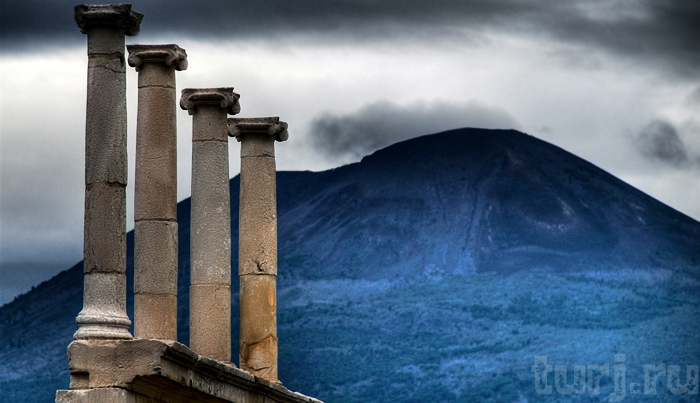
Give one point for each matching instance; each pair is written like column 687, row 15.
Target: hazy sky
column 614, row 82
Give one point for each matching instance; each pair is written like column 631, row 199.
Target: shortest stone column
column 155, row 195
column 210, row 237
column 257, row 254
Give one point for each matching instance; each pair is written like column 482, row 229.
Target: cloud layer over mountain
column 381, row 124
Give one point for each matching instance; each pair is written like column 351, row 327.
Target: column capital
column 271, row 126
column 108, row 15
column 171, row 55
column 224, row 97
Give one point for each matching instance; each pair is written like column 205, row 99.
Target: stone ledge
column 120, row 16
column 271, row 126
column 224, row 97
column 170, row 55
column 168, row 371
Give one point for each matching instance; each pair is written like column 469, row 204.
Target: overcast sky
column 614, row 82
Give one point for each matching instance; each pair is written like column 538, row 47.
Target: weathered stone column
column 210, row 238
column 104, row 248
column 257, row 253
column 155, row 196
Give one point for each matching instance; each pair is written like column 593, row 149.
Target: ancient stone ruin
column 107, row 363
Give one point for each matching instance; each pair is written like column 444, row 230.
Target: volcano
column 440, row 269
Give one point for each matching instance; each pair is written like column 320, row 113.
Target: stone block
column 111, row 363
column 105, row 41
column 102, row 395
column 155, row 316
column 105, row 130
column 210, row 321
column 157, row 75
column 259, row 179
column 209, row 123
column 155, row 257
column 258, row 145
column 156, row 156
column 258, row 217
column 104, row 246
column 211, row 215
column 258, row 340
column 112, row 63
column 257, row 252
column 210, row 170
column 210, row 256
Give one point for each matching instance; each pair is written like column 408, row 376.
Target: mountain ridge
column 460, row 250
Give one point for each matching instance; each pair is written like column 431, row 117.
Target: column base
column 102, row 327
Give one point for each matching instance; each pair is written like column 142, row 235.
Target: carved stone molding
column 171, row 55
column 164, row 371
column 224, row 97
column 238, row 127
column 108, row 15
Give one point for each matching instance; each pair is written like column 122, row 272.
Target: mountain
column 438, row 269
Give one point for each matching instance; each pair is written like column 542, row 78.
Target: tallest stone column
column 104, row 248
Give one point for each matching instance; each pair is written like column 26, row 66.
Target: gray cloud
column 662, row 33
column 694, row 98
column 378, row 125
column 660, row 141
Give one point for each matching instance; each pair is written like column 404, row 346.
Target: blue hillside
column 438, row 269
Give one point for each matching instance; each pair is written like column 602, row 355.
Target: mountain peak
column 484, row 200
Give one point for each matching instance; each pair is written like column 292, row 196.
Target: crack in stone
column 204, row 141
column 108, row 68
column 115, row 55
column 89, row 186
column 157, row 86
column 257, row 356
column 155, row 220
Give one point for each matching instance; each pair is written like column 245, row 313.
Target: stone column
column 210, row 239
column 155, row 196
column 257, row 253
column 104, row 248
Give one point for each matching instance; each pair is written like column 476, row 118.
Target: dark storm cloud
column 660, row 141
column 378, row 125
column 39, row 21
column 662, row 33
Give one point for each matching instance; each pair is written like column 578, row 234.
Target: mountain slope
column 437, row 269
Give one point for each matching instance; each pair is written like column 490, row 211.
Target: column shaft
column 104, row 248
column 258, row 243
column 210, row 237
column 210, row 242
column 155, row 196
